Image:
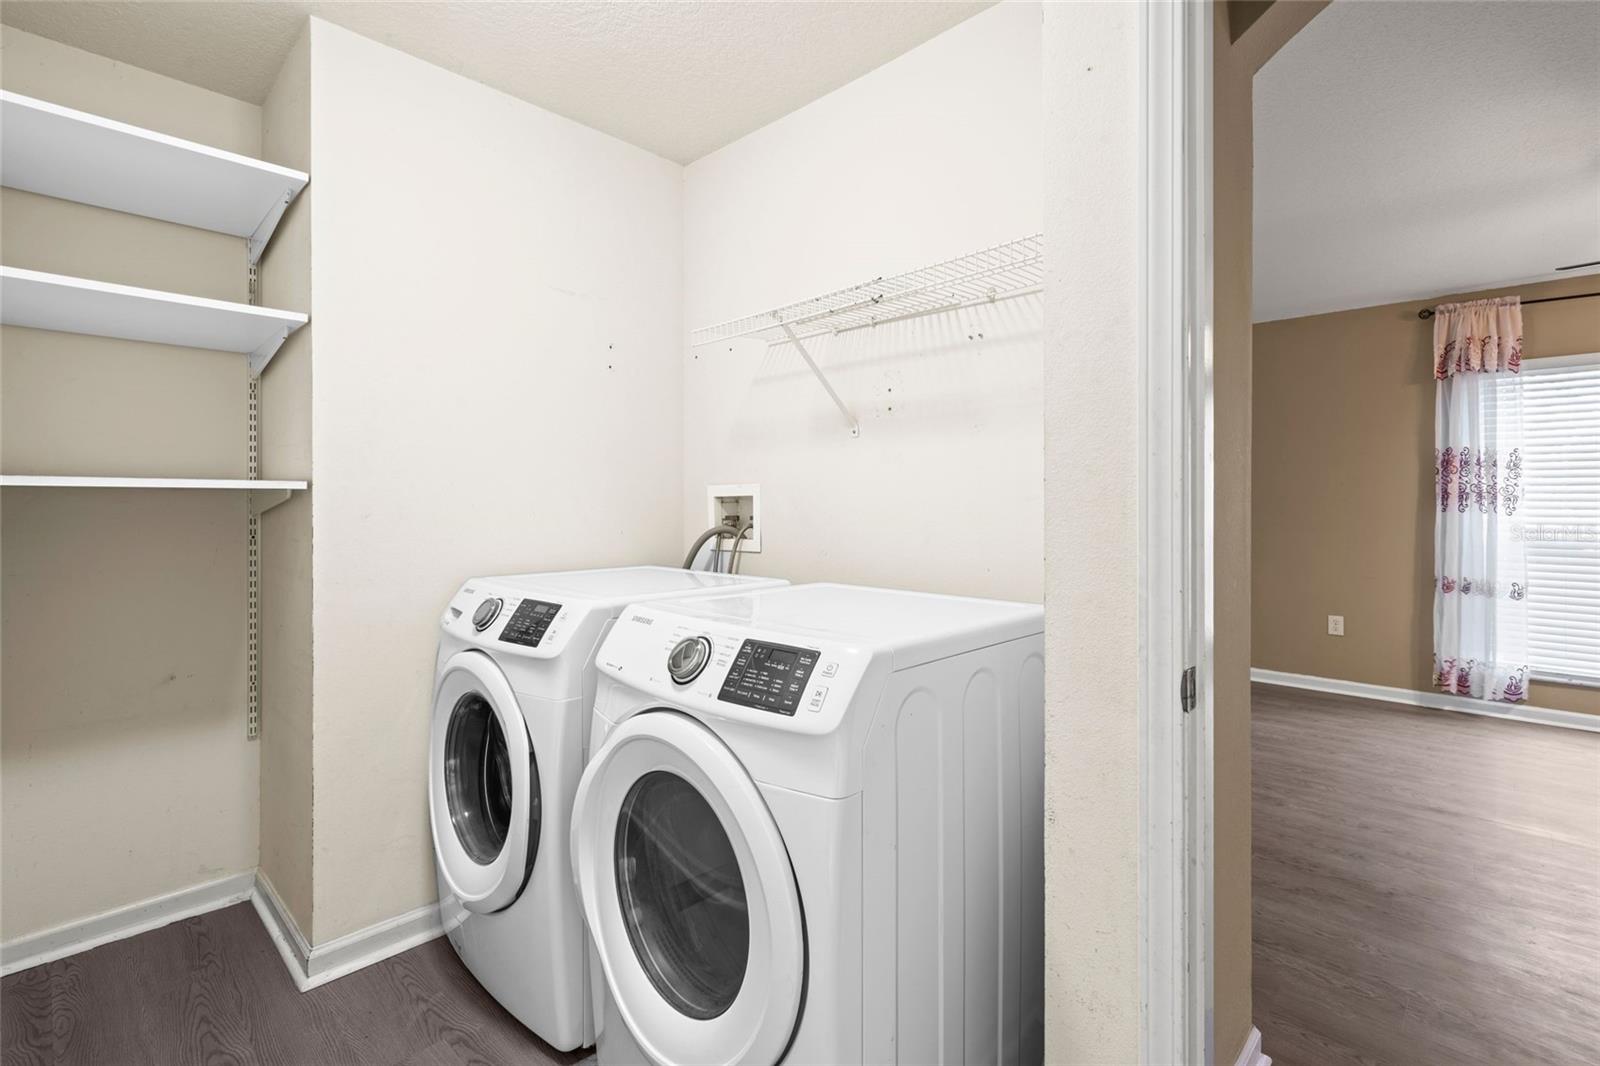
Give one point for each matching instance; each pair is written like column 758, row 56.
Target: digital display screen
column 529, row 621
column 768, row 677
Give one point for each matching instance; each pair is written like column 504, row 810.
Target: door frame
column 1176, row 581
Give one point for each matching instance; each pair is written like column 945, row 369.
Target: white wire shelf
column 1015, row 268
column 72, row 155
column 1003, row 272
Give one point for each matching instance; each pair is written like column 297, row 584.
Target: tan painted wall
column 126, row 772
column 1091, row 472
column 1344, row 477
column 496, row 388
column 1233, row 154
column 285, row 420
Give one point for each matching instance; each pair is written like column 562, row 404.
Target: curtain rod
column 1427, row 312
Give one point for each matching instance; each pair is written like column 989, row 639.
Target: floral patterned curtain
column 1480, row 610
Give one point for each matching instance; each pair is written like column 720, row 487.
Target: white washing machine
column 812, row 830
column 513, row 684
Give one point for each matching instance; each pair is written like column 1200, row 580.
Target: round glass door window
column 477, row 781
column 682, row 897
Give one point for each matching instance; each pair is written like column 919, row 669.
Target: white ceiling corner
column 1408, row 150
column 678, row 79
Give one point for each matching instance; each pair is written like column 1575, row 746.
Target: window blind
column 1560, row 515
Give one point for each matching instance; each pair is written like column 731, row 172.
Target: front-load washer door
column 483, row 785
column 689, row 895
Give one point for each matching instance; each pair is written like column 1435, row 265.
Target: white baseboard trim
column 1438, row 701
column 282, row 930
column 310, row 967
column 362, row 948
column 1250, row 1054
column 35, row 949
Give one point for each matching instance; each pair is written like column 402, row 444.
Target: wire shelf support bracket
column 822, row 379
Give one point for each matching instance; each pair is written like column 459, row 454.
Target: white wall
column 285, row 569
column 125, row 767
column 931, row 156
column 1091, row 475
column 495, row 388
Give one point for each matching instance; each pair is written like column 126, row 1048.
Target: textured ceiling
column 679, row 79
column 1408, row 150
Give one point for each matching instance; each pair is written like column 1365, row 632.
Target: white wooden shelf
column 51, row 481
column 263, row 495
column 78, row 305
column 73, row 155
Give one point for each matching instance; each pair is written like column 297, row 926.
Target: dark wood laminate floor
column 212, row 990
column 1427, row 886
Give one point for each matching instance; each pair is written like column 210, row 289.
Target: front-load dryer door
column 483, row 788
column 689, row 895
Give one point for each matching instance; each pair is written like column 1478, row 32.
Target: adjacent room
column 1425, row 536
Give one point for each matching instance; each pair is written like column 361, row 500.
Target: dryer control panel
column 491, row 615
column 769, row 677
column 529, row 622
column 775, row 677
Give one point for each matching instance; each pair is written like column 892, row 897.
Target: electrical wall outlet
column 735, row 505
column 1336, row 625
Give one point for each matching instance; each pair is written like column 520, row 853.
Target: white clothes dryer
column 812, row 830
column 513, row 684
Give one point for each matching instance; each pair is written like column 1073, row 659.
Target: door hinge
column 1186, row 689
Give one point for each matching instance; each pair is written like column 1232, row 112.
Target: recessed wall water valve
column 736, row 505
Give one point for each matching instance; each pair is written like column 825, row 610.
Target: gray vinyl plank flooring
column 1427, row 892
column 1427, row 886
column 212, row 990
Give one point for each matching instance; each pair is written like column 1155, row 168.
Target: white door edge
column 1175, row 875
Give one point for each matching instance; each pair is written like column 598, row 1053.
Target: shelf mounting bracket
column 822, row 379
column 264, row 500
column 256, row 243
column 259, row 358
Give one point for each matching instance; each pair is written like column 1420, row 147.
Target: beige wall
column 126, row 771
column 1091, row 565
column 285, row 452
column 496, row 388
column 1236, row 63
column 497, row 361
column 1344, row 478
column 943, row 489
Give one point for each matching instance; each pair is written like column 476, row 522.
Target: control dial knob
column 486, row 613
column 688, row 658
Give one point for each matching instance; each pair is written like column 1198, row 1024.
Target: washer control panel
column 529, row 621
column 768, row 677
